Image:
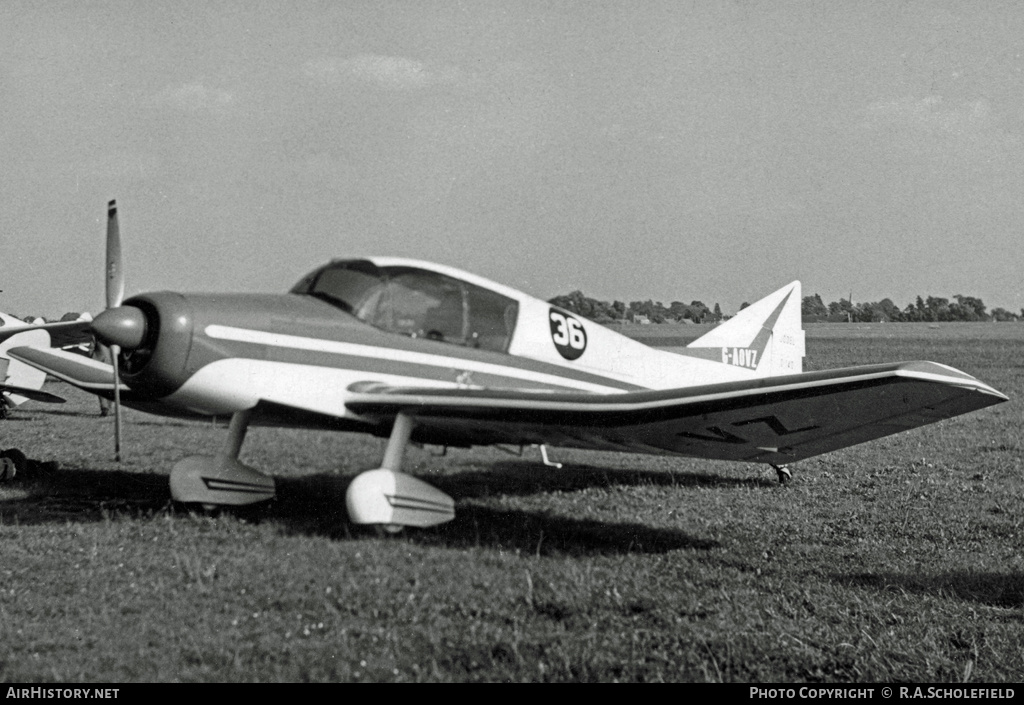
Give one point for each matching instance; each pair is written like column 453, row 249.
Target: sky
column 660, row 150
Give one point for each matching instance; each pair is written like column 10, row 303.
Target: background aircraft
column 427, row 353
column 20, row 382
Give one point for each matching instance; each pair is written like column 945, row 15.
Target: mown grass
column 898, row 560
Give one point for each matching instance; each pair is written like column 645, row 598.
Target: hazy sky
column 634, row 150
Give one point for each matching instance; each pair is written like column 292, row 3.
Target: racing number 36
column 568, row 335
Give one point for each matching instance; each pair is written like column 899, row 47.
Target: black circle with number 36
column 568, row 334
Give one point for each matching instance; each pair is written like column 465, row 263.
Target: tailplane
column 766, row 338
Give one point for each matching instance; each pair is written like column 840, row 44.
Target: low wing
column 772, row 420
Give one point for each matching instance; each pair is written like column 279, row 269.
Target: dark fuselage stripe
column 261, row 345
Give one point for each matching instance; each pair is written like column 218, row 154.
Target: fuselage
column 352, row 324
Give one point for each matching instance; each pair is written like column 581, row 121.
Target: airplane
column 425, row 353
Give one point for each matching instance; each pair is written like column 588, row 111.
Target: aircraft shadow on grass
column 48, row 495
column 314, row 505
column 311, row 505
column 994, row 589
column 518, row 478
column 52, row 412
column 158, row 422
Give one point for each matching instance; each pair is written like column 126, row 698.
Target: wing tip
column 938, row 372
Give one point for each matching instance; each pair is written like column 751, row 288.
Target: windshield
column 416, row 302
column 347, row 285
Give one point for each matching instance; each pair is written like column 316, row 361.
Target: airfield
column 897, row 560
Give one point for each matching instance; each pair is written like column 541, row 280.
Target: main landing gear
column 389, row 498
column 217, row 480
column 385, row 497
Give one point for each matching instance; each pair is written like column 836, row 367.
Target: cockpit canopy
column 415, row 302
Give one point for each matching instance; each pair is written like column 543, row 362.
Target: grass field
column 898, row 560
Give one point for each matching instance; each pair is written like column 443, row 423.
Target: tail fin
column 766, row 337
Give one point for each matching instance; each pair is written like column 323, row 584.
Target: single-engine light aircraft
column 420, row 352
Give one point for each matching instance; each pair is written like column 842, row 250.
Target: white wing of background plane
column 59, row 335
column 775, row 420
column 20, row 382
column 78, row 370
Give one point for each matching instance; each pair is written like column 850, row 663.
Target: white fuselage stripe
column 279, row 340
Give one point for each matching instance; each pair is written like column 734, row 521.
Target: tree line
column 922, row 310
column 637, row 311
column 927, row 309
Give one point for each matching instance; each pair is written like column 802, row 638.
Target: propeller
column 102, row 329
column 117, row 327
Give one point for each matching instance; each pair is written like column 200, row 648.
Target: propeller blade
column 115, row 294
column 115, row 351
column 115, row 276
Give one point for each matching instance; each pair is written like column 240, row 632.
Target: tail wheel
column 784, row 474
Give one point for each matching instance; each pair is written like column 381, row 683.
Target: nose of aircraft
column 124, row 326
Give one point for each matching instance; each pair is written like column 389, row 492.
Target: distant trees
column 600, row 311
column 652, row 311
column 928, row 309
column 813, row 306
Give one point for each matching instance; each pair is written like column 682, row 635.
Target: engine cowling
column 154, row 333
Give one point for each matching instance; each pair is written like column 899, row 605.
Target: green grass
column 898, row 560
